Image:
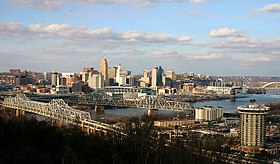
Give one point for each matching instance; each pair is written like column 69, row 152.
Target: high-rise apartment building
column 104, row 71
column 157, row 76
column 252, row 126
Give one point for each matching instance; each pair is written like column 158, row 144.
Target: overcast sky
column 215, row 37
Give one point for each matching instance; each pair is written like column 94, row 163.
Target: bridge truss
column 270, row 83
column 149, row 102
column 59, row 110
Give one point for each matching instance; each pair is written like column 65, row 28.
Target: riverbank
column 200, row 98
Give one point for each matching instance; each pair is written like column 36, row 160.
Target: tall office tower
column 112, row 72
column 48, row 76
column 104, row 70
column 252, row 126
column 167, row 81
column 121, row 76
column 171, row 74
column 147, row 73
column 54, row 78
column 130, row 80
column 157, row 76
column 85, row 73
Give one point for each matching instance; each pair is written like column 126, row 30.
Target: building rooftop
column 253, row 108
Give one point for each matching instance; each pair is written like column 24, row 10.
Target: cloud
column 205, row 56
column 55, row 4
column 86, row 36
column 184, row 38
column 253, row 59
column 41, row 4
column 270, row 8
column 226, row 32
column 245, row 45
column 164, row 53
column 191, row 1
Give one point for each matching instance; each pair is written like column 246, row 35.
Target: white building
column 208, row 113
column 226, row 90
column 219, row 90
column 67, row 75
column 121, row 76
column 252, row 126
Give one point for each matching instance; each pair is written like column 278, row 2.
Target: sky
column 214, row 37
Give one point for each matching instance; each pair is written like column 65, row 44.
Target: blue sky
column 215, row 37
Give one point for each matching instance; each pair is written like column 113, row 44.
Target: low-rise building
column 172, row 123
column 208, row 113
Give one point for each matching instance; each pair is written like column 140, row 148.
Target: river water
column 229, row 107
column 118, row 114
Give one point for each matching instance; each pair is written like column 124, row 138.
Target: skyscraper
column 121, row 76
column 171, row 74
column 252, row 126
column 95, row 80
column 104, row 71
column 157, row 76
column 54, row 78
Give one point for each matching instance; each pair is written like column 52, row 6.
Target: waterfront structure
column 219, row 89
column 59, row 112
column 166, row 91
column 209, row 113
column 252, row 127
column 157, row 76
column 104, row 71
column 188, row 87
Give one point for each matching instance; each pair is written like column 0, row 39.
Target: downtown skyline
column 202, row 36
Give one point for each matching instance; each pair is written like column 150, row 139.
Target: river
column 229, row 107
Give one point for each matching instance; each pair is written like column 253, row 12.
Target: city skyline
column 202, row 36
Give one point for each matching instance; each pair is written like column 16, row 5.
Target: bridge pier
column 99, row 109
column 56, row 122
column 20, row 113
column 152, row 112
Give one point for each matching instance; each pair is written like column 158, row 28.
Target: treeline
column 31, row 141
column 273, row 105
